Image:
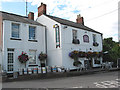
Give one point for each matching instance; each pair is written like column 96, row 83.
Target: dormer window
column 86, row 38
column 31, row 33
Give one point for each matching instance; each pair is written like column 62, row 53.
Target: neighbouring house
column 19, row 34
column 64, row 36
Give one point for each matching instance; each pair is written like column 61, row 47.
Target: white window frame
column 29, row 32
column 74, row 35
column 12, row 29
column 35, row 57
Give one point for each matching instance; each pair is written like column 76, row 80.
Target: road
column 98, row 80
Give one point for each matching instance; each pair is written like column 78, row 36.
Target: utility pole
column 26, row 7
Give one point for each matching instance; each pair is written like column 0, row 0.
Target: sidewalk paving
column 56, row 75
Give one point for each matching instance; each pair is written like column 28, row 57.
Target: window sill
column 15, row 39
column 33, row 40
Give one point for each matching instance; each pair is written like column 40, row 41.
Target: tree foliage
column 113, row 50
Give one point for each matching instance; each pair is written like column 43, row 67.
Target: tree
column 113, row 50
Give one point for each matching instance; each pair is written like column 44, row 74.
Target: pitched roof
column 73, row 24
column 18, row 18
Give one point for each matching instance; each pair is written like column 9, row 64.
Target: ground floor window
column 32, row 56
column 96, row 60
column 10, row 59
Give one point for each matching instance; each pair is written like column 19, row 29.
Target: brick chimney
column 31, row 15
column 80, row 19
column 41, row 9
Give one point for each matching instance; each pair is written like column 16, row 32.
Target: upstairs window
column 74, row 32
column 32, row 33
column 86, row 38
column 94, row 38
column 75, row 40
column 15, row 30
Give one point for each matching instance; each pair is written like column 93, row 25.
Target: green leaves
column 113, row 49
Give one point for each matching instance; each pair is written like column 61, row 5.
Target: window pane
column 32, row 57
column 31, row 32
column 15, row 30
column 10, row 67
column 74, row 34
column 94, row 38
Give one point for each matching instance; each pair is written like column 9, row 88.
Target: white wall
column 60, row 56
column 68, row 46
column 54, row 54
column 23, row 44
column 0, row 57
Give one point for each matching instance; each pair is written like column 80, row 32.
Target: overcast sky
column 100, row 15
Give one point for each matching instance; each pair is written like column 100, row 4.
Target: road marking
column 108, row 84
column 78, row 87
column 99, row 85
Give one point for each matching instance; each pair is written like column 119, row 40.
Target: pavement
column 97, row 80
column 56, row 75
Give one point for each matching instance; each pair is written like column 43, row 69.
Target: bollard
column 48, row 69
column 25, row 71
column 43, row 70
column 29, row 70
column 20, row 71
column 35, row 70
column 39, row 70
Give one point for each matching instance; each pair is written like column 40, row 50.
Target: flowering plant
column 82, row 54
column 74, row 54
column 42, row 56
column 23, row 58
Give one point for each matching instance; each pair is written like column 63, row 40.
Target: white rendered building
column 60, row 36
column 20, row 34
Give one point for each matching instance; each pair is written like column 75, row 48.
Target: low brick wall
column 52, row 75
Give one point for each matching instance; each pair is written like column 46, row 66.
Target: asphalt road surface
column 98, row 80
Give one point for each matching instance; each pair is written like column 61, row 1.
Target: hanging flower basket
column 42, row 56
column 23, row 58
column 82, row 54
column 74, row 54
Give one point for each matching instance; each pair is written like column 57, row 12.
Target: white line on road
column 100, row 86
column 107, row 84
column 78, row 87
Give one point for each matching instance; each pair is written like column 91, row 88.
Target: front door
column 10, row 60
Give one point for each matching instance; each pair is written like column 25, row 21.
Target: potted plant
column 42, row 57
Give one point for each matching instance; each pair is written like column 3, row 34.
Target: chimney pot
column 31, row 15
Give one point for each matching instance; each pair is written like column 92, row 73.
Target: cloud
column 69, row 9
column 16, row 0
column 0, row 6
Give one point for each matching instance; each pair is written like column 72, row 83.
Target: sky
column 100, row 15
